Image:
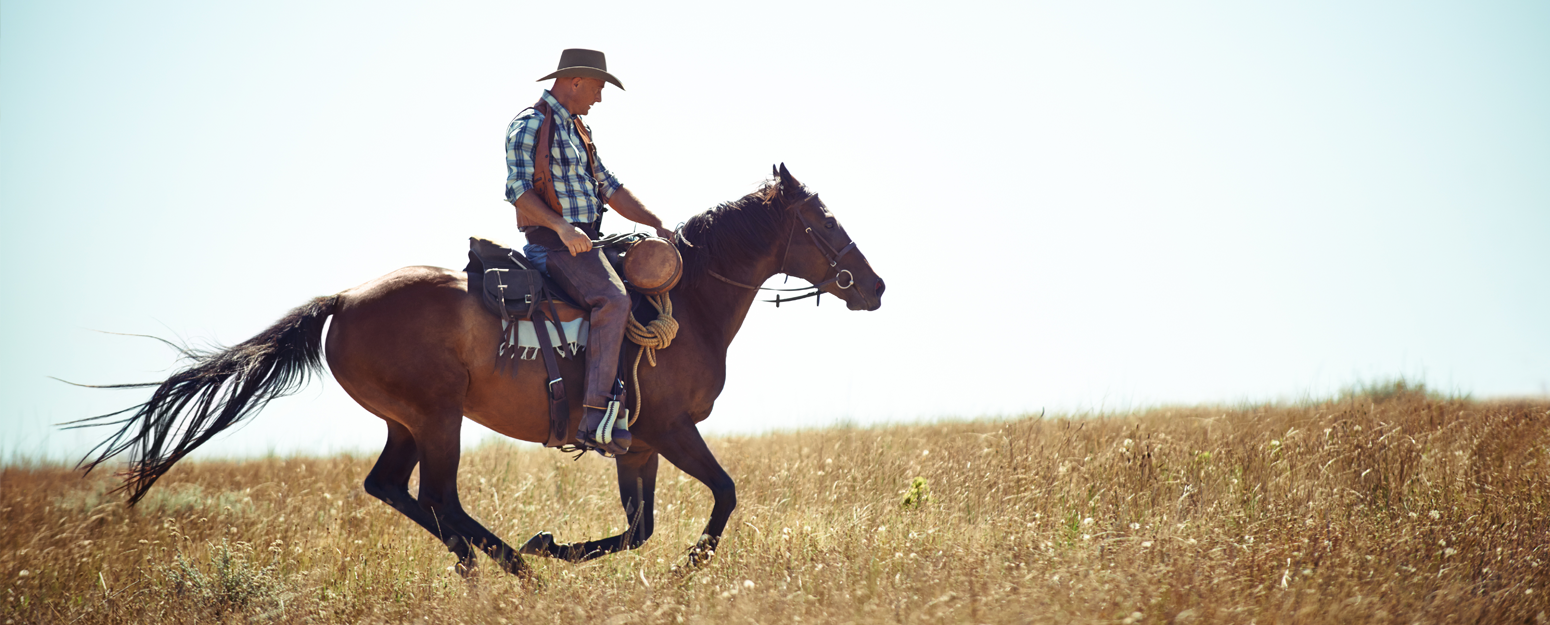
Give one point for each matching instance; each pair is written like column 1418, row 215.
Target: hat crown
column 581, row 57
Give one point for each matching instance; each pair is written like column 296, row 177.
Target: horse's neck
column 725, row 306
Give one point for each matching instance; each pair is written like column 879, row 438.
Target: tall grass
column 1377, row 507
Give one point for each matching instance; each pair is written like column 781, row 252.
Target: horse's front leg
column 637, row 492
column 686, row 449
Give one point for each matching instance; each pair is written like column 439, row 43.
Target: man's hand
column 665, row 233
column 575, row 240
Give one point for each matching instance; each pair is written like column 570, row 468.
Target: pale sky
column 1078, row 207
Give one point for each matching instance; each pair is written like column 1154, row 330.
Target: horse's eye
column 829, row 223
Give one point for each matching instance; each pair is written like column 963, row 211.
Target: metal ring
column 847, row 275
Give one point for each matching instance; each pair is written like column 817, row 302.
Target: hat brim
column 584, row 72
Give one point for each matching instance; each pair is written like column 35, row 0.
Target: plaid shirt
column 580, row 202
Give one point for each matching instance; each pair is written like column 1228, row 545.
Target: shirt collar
column 560, row 111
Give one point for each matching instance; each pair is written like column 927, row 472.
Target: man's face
column 589, row 91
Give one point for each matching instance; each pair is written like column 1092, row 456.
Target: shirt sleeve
column 521, row 141
column 607, row 184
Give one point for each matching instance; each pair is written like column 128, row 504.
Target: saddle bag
column 510, row 283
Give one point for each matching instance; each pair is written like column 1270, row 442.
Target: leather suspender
column 543, row 170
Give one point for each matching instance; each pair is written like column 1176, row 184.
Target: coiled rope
column 650, row 337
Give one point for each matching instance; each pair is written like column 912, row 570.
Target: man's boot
column 605, row 429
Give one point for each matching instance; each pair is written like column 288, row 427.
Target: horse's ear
column 775, row 172
column 788, row 184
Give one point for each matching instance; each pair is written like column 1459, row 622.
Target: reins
column 829, row 253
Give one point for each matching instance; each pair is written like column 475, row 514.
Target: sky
column 1079, row 208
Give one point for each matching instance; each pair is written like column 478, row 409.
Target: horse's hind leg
column 438, row 446
column 389, row 481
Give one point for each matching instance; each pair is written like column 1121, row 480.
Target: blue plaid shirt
column 580, row 201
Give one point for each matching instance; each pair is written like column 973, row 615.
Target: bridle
column 842, row 277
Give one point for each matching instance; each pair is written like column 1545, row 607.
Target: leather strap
column 554, row 386
column 560, row 328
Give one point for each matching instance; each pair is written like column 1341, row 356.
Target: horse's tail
column 216, row 390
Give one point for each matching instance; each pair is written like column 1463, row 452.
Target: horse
column 417, row 349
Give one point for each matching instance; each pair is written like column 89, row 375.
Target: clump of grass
column 229, row 583
column 1390, row 389
column 917, row 495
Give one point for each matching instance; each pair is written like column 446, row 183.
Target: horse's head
column 819, row 250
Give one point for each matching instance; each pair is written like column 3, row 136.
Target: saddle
column 514, row 288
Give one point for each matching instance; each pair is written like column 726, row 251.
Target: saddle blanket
column 523, row 337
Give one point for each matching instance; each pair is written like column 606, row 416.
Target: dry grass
column 1390, row 507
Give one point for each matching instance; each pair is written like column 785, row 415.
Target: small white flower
column 925, row 452
column 1449, row 552
column 1146, row 543
column 1434, row 514
column 747, row 583
column 23, row 573
column 1135, row 526
column 1087, row 536
column 1087, row 521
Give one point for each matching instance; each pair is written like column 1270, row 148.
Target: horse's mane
column 734, row 233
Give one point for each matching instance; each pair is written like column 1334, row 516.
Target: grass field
column 1385, row 506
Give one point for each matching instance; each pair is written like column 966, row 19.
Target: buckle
column 557, row 394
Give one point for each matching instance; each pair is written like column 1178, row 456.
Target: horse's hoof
column 702, row 552
column 541, row 544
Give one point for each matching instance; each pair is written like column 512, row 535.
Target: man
column 561, row 209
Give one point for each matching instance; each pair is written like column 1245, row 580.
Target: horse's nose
column 880, row 287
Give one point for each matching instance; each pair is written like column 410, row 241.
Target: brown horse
column 415, row 348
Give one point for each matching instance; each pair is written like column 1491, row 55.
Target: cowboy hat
column 585, row 63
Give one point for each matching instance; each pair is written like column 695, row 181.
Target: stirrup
column 602, row 438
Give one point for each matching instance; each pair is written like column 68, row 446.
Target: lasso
column 651, row 337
